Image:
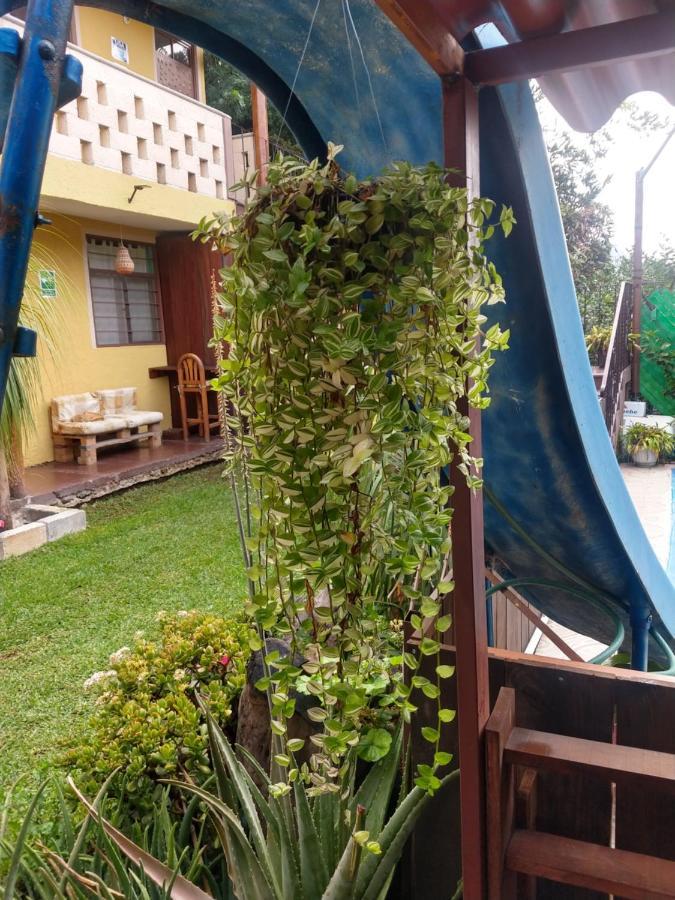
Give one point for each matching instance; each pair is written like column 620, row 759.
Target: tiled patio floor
column 115, row 469
column 650, row 491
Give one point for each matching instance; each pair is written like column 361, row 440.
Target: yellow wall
column 72, row 187
column 76, row 364
column 95, row 27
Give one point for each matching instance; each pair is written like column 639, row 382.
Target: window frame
column 152, row 277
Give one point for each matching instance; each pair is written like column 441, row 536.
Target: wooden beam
column 592, row 866
column 460, row 133
column 261, row 141
column 425, row 26
column 500, row 809
column 534, row 616
column 629, row 39
column 559, row 753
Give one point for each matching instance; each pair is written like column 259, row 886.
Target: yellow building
column 140, row 158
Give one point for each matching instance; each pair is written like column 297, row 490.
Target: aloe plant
column 81, row 860
column 282, row 842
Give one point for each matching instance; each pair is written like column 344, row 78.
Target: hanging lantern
column 124, row 264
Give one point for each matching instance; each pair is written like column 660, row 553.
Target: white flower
column 179, row 675
column 117, row 657
column 98, row 677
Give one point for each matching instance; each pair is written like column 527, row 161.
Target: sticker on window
column 119, row 50
column 47, row 279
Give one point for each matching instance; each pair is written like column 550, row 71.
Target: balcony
column 128, row 124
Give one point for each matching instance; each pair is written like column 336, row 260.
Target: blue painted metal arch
column 548, row 458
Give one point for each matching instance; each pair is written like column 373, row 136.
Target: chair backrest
column 191, row 372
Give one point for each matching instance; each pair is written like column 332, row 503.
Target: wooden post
column 460, row 134
column 260, row 132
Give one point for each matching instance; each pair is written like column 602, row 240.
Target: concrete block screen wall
column 126, row 123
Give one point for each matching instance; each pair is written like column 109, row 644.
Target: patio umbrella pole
column 36, row 90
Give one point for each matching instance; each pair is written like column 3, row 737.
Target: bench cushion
column 117, row 401
column 100, row 426
column 65, row 408
column 142, row 417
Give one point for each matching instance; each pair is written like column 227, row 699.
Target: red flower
column 224, row 660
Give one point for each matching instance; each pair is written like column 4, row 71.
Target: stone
column 67, row 521
column 22, row 539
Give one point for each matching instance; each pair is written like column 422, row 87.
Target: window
column 175, row 61
column 126, row 307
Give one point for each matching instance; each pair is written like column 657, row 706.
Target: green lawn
column 66, row 607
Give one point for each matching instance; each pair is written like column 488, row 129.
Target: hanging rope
column 351, row 54
column 297, row 71
column 367, row 71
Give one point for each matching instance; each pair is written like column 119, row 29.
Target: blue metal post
column 24, row 154
column 640, row 620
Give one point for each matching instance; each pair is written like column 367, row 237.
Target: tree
column 230, row 92
column 588, row 225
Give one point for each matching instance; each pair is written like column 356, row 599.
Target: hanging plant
column 353, row 311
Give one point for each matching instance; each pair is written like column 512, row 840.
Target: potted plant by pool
column 648, row 443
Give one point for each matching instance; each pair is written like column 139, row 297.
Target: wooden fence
column 568, row 698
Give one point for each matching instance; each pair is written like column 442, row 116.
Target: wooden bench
column 82, row 424
column 518, row 854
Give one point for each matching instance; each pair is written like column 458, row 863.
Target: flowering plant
column 147, row 722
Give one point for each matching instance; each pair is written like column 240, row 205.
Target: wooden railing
column 623, row 718
column 616, row 373
column 519, row 854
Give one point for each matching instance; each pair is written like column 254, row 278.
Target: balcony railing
column 616, row 373
column 129, row 124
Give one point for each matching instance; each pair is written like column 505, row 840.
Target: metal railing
column 616, row 373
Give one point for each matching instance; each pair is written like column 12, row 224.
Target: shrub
column 649, row 437
column 147, row 721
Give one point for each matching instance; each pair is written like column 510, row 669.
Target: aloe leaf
column 223, row 781
column 278, row 845
column 341, row 885
column 15, row 861
column 186, row 821
column 375, row 792
column 313, row 870
column 326, row 806
column 220, row 747
column 155, row 870
column 76, row 848
column 279, row 808
column 234, row 838
column 376, row 870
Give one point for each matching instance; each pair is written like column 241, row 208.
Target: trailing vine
column 353, row 314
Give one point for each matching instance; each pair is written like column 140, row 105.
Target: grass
column 66, row 607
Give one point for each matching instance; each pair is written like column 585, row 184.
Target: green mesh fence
column 661, row 319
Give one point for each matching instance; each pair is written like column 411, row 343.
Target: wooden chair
column 192, row 380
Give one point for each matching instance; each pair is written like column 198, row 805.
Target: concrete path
column 652, row 496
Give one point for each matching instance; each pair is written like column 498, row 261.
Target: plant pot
column 644, row 458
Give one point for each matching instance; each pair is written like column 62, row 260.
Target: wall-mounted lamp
column 138, row 187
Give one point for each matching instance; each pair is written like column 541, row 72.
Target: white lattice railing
column 130, row 124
